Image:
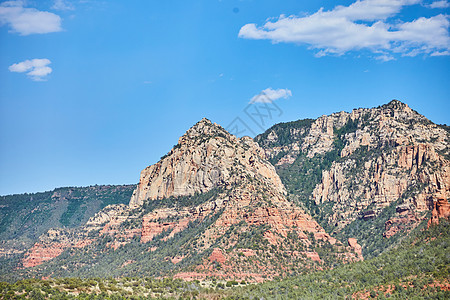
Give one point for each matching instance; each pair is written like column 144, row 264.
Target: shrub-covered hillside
column 418, row 269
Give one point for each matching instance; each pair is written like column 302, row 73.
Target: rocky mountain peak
column 202, row 130
column 399, row 112
column 206, row 157
column 396, row 105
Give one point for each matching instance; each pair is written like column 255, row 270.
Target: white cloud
column 269, row 95
column 360, row 26
column 37, row 68
column 62, row 5
column 385, row 57
column 439, row 4
column 443, row 53
column 27, row 21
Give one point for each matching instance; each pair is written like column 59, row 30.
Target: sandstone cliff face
column 382, row 180
column 441, row 209
column 383, row 155
column 408, row 166
column 214, row 206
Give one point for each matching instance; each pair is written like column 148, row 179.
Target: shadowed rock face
column 205, row 157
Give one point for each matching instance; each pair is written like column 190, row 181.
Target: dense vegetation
column 418, row 269
column 101, row 288
column 134, row 258
column 180, row 201
column 284, row 131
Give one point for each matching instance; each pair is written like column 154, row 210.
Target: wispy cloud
column 362, row 25
column 25, row 21
column 269, row 95
column 439, row 4
column 62, row 5
column 37, row 69
column 443, row 53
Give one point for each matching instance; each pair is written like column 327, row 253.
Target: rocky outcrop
column 404, row 222
column 152, row 225
column 414, row 155
column 352, row 242
column 321, row 135
column 208, row 157
column 382, row 180
column 40, row 253
column 217, row 256
column 441, row 209
column 52, row 244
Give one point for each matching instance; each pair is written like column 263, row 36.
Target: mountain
column 213, row 206
column 305, row 195
column 374, row 174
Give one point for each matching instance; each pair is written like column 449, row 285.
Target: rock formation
column 441, row 209
column 383, row 156
column 355, row 246
column 205, row 157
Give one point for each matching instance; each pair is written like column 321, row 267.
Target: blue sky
column 91, row 92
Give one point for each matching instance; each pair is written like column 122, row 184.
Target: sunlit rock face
column 205, row 157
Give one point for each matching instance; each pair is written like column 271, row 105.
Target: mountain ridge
column 343, row 185
column 224, row 186
column 363, row 162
